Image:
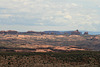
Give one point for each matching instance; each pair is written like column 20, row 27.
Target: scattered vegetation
column 50, row 59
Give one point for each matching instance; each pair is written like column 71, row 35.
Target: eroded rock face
column 9, row 32
column 37, row 48
column 85, row 33
column 50, row 42
column 76, row 38
column 75, row 49
column 97, row 37
column 76, row 33
column 43, row 50
column 60, row 48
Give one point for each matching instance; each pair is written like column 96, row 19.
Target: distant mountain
column 51, row 32
column 94, row 33
column 60, row 32
column 69, row 32
column 91, row 32
column 55, row 32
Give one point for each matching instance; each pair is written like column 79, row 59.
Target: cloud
column 72, row 14
column 68, row 17
column 5, row 15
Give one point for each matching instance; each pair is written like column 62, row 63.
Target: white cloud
column 5, row 15
column 68, row 17
column 52, row 12
column 74, row 4
column 99, row 6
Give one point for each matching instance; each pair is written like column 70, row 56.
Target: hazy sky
column 40, row 15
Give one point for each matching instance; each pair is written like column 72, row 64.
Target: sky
column 43, row 15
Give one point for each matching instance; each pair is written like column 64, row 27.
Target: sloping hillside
column 86, row 42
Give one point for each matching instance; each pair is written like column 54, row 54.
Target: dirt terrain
column 49, row 43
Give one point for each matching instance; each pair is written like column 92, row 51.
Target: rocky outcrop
column 76, row 33
column 9, row 32
column 85, row 33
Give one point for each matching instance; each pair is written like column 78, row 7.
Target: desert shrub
column 49, row 59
